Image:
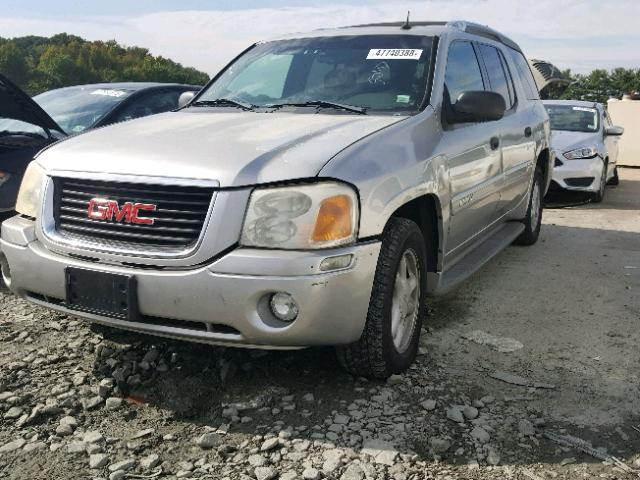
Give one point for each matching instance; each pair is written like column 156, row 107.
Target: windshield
column 77, row 108
column 381, row 72
column 573, row 118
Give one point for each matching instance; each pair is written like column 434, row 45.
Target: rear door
column 472, row 151
column 516, row 133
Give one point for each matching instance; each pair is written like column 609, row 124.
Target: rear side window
column 499, row 78
column 463, row 70
column 526, row 78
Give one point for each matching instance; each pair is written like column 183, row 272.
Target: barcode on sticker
column 394, row 54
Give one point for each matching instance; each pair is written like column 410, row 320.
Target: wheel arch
column 426, row 212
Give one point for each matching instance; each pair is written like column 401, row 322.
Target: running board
column 478, row 257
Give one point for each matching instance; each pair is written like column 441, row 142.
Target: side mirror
column 479, row 106
column 614, row 130
column 185, row 97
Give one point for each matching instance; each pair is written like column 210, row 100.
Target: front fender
column 392, row 167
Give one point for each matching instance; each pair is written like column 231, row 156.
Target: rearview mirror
column 614, row 130
column 185, row 97
column 479, row 106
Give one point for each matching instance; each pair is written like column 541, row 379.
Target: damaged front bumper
column 223, row 303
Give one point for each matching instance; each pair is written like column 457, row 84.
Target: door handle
column 527, row 132
column 494, row 142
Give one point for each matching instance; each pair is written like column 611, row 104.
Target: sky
column 577, row 34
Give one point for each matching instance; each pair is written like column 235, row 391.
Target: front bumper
column 223, row 303
column 579, row 175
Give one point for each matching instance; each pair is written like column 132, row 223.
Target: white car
column 586, row 146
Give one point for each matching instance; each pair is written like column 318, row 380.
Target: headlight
column 578, row 153
column 301, row 217
column 30, row 195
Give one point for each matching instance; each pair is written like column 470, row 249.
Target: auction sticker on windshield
column 108, row 92
column 394, row 54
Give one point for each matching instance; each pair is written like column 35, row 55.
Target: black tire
column 598, row 197
column 532, row 226
column 375, row 355
column 615, row 180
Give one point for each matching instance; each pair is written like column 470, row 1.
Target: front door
column 611, row 143
column 473, row 154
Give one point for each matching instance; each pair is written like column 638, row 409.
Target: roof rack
column 462, row 25
column 398, row 24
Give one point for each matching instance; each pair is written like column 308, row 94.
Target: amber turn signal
column 334, row 220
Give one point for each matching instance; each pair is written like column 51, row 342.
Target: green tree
column 600, row 85
column 13, row 64
column 38, row 63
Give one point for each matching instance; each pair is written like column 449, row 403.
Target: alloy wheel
column 406, row 300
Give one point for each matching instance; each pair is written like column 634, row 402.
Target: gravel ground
column 528, row 371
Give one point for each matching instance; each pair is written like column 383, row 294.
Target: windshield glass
column 77, row 108
column 573, row 118
column 381, row 72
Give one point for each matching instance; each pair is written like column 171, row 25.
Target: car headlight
column 30, row 195
column 300, row 217
column 578, row 153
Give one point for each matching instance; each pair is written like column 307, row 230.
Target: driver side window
column 463, row 70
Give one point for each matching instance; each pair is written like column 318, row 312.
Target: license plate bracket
column 102, row 293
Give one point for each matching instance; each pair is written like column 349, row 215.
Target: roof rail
column 482, row 31
column 462, row 25
column 398, row 24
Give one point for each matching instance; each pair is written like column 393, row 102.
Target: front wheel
column 533, row 220
column 615, row 180
column 397, row 307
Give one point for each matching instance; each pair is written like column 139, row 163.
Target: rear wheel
column 599, row 195
column 533, row 220
column 397, row 308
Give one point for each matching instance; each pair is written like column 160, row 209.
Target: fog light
column 335, row 263
column 284, row 307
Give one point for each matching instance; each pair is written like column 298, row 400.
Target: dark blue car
column 29, row 124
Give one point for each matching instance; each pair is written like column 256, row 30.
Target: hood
column 562, row 141
column 17, row 105
column 233, row 147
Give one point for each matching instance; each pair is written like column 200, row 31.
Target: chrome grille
column 177, row 221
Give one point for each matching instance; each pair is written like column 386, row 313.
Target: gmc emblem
column 110, row 210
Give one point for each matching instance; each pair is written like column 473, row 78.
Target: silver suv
column 316, row 192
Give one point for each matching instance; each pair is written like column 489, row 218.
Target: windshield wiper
column 222, row 102
column 323, row 104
